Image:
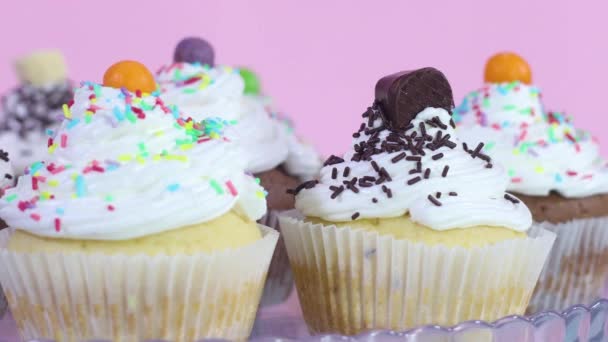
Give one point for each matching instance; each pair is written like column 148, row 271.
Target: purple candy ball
column 194, row 50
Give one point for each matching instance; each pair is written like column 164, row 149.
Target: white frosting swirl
column 218, row 92
column 543, row 151
column 123, row 167
column 479, row 189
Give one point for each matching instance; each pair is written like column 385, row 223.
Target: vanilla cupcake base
column 350, row 281
column 78, row 296
column 577, row 270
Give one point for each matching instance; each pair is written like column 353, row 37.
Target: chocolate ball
column 194, row 50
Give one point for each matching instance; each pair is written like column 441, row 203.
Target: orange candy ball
column 507, row 67
column 131, row 75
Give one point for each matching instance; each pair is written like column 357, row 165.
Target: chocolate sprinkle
column 511, row 199
column 332, row 160
column 413, row 181
column 437, row 156
column 8, row 176
column 489, row 166
column 412, row 158
column 355, row 215
column 306, row 185
column 452, row 193
column 4, row 156
column 334, row 173
column 398, row 157
column 444, row 173
column 438, row 195
column 427, row 173
column 346, row 172
column 375, row 200
column 337, row 190
column 434, row 200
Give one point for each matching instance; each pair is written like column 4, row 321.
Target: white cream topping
column 132, row 168
column 542, row 151
column 479, row 188
column 218, row 92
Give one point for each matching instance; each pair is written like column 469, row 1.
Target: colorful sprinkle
column 66, row 111
column 173, row 187
column 232, row 188
column 216, row 186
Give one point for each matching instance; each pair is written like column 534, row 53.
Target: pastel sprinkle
column 516, row 180
column 130, row 116
column 216, row 186
column 539, row 169
column 118, row 114
column 80, row 186
column 110, row 207
column 73, row 123
column 35, row 217
column 11, row 198
column 125, row 157
column 88, row 117
column 173, row 187
column 52, row 148
column 59, row 211
column 232, row 189
column 511, row 172
column 260, row 194
column 57, row 224
column 64, row 141
column 66, row 111
column 558, row 178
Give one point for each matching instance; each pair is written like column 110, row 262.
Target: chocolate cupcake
column 33, row 109
column 411, row 227
column 275, row 154
column 555, row 168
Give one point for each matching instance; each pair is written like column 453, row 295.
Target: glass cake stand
column 283, row 323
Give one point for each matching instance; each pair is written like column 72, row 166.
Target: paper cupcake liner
column 3, row 304
column 577, row 269
column 279, row 282
column 77, row 296
column 350, row 281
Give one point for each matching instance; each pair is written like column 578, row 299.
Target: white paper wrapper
column 577, row 269
column 350, row 281
column 279, row 282
column 74, row 297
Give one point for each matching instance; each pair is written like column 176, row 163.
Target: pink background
column 321, row 59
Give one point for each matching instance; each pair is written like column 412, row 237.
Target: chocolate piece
column 194, row 50
column 403, row 95
column 276, row 182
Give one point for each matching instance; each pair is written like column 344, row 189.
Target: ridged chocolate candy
column 403, row 95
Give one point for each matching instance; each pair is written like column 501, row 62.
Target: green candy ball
column 252, row 82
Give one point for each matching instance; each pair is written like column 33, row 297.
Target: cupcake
column 555, row 168
column 411, row 227
column 274, row 153
column 33, row 108
column 140, row 225
column 7, row 180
